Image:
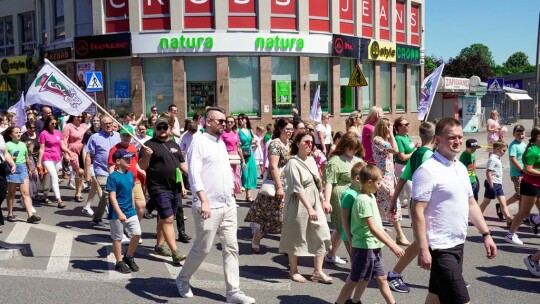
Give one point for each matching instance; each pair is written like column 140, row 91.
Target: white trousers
column 53, row 173
column 223, row 222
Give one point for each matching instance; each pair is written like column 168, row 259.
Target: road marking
column 18, row 233
column 61, row 253
column 113, row 274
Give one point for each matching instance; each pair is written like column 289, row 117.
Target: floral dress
column 385, row 162
column 492, row 136
column 267, row 211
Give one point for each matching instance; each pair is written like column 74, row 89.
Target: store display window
column 347, row 94
column 119, row 86
column 385, row 87
column 414, row 87
column 401, row 97
column 201, row 84
column 244, row 92
column 158, row 83
column 368, row 92
column 318, row 76
column 284, row 85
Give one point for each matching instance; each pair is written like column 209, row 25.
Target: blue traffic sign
column 94, row 81
column 495, row 85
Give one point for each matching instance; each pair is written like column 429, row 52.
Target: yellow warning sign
column 357, row 78
column 4, row 87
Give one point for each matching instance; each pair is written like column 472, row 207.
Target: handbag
column 246, row 152
column 268, row 188
column 234, row 159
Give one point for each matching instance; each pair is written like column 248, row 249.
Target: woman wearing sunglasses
column 405, row 149
column 73, row 134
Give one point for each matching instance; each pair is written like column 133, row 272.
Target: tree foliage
column 478, row 49
column 467, row 66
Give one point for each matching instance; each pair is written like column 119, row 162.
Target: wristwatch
column 486, row 233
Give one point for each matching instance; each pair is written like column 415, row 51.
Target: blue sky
column 504, row 26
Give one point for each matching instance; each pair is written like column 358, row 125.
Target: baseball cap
column 121, row 153
column 519, row 128
column 128, row 128
column 472, row 143
column 161, row 120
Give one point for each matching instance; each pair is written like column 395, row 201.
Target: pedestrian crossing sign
column 357, row 78
column 94, row 81
column 495, row 85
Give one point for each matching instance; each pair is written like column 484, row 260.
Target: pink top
column 73, row 136
column 53, row 146
column 367, row 131
column 231, row 140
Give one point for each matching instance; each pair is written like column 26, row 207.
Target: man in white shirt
column 213, row 208
column 444, row 203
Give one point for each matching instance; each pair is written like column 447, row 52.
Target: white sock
column 87, row 205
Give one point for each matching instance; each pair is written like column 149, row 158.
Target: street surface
column 67, row 260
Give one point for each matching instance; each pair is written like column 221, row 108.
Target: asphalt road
column 68, row 260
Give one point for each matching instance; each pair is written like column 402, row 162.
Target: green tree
column 518, row 63
column 431, row 63
column 467, row 66
column 480, row 50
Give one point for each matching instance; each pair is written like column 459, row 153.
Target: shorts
column 131, row 226
column 21, row 173
column 524, row 189
column 166, row 204
column 138, row 194
column 366, row 264
column 492, row 193
column 446, row 278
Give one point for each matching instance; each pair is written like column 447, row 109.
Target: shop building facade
column 262, row 58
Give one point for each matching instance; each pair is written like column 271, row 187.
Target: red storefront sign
column 198, row 14
column 156, row 15
column 400, row 22
column 319, row 16
column 116, row 16
column 384, row 15
column 243, row 14
column 346, row 16
column 415, row 26
column 367, row 18
column 283, row 14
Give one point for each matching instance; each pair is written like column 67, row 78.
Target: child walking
column 368, row 238
column 346, row 204
column 122, row 214
column 468, row 158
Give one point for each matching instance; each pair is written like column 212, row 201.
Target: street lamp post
column 537, row 95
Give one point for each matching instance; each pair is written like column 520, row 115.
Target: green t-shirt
column 405, row 145
column 150, row 132
column 267, row 137
column 347, row 201
column 516, row 149
column 18, row 151
column 418, row 158
column 469, row 160
column 365, row 206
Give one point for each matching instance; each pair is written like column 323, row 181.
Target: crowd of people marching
column 361, row 177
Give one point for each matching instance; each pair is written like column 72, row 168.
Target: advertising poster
column 82, row 68
column 283, row 93
column 471, row 115
column 121, row 101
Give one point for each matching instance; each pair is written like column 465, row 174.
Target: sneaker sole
column 529, row 267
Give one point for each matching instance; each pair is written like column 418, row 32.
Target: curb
column 9, row 251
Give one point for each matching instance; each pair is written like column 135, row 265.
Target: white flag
column 427, row 92
column 316, row 112
column 19, row 110
column 52, row 88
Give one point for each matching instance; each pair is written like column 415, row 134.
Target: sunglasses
column 154, row 110
column 405, row 124
column 31, row 128
column 220, row 121
column 162, row 128
column 308, row 142
column 53, row 123
column 311, row 130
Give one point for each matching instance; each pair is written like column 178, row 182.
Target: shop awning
column 518, row 96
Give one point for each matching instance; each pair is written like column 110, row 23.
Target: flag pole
column 99, row 107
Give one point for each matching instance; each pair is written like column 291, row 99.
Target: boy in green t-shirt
column 368, row 238
column 346, row 204
column 468, row 158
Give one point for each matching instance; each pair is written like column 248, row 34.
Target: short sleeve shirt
column 412, row 165
column 469, row 161
column 327, row 131
column 365, row 206
column 53, row 145
column 347, row 202
column 133, row 160
column 99, row 145
column 516, row 149
column 405, row 145
column 495, row 166
column 122, row 185
column 532, row 157
column 18, row 151
column 161, row 171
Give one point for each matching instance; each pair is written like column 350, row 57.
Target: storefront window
column 347, row 96
column 59, row 29
column 284, row 78
column 158, row 83
column 7, row 42
column 43, row 21
column 414, row 89
column 386, row 87
column 318, row 76
column 401, row 97
column 368, row 100
column 28, row 41
column 244, row 93
column 201, row 84
column 83, row 18
column 8, row 92
column 119, row 86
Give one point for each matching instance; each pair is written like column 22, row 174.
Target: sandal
column 79, row 199
column 61, row 205
column 12, row 218
column 46, row 200
column 321, row 278
column 297, row 278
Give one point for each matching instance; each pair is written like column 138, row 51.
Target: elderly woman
column 337, row 177
column 384, row 148
column 94, row 186
column 375, row 113
column 73, row 134
column 265, row 213
column 304, row 220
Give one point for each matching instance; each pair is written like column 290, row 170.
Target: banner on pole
column 316, row 111
column 19, row 110
column 52, row 88
column 427, row 92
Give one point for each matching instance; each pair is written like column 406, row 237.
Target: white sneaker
column 184, row 289
column 87, row 211
column 533, row 266
column 33, row 209
column 240, row 297
column 512, row 238
column 125, row 240
column 334, row 260
column 71, row 185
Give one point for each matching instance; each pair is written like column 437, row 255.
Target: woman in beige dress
column 305, row 230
